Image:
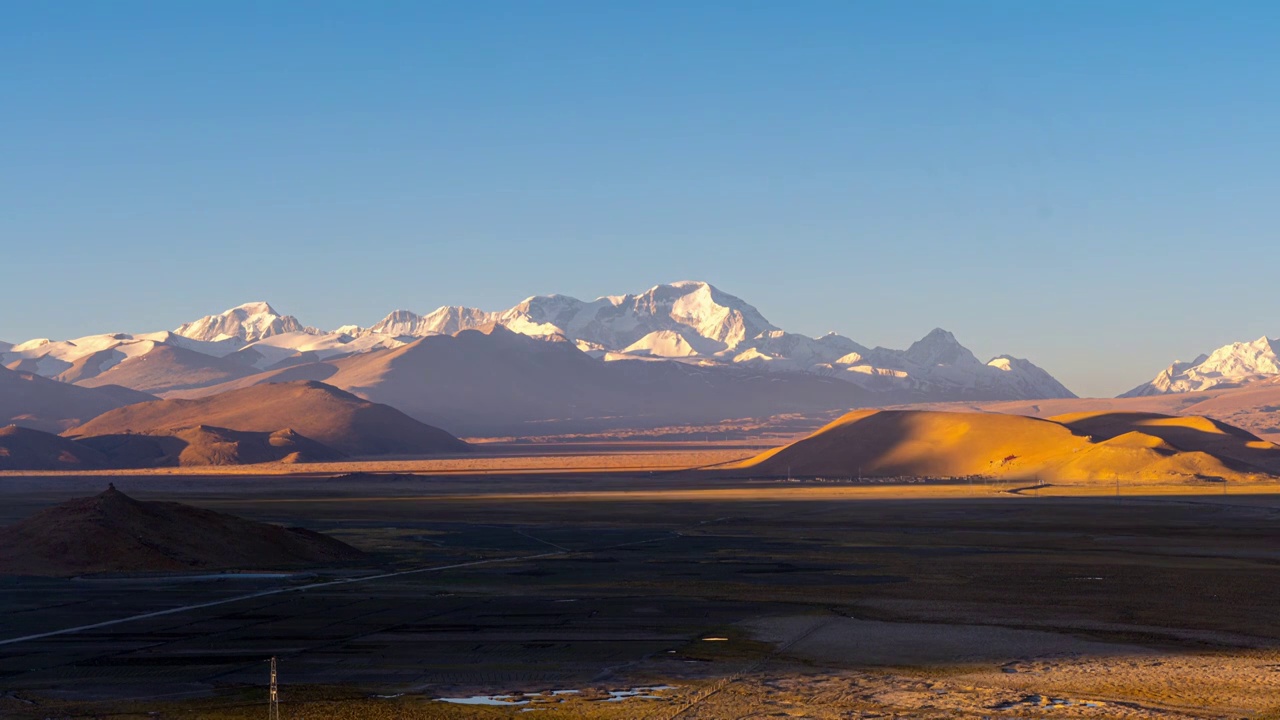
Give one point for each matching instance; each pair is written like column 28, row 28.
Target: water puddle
column 506, row 700
column 645, row 692
column 639, row 693
column 1044, row 701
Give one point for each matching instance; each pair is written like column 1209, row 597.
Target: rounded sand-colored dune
column 1082, row 446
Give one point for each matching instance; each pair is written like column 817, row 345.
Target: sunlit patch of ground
column 562, row 460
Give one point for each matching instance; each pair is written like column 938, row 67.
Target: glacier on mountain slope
column 692, row 310
column 1229, row 366
column 275, row 349
column 50, row 358
column 689, row 322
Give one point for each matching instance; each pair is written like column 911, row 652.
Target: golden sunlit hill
column 1190, row 433
column 1096, row 446
column 1255, row 407
column 319, row 412
column 112, row 532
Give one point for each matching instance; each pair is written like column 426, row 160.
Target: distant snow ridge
column 1231, row 365
column 937, row 364
column 681, row 314
column 287, row 348
column 446, row 320
column 248, row 322
column 686, row 322
column 695, row 311
column 99, row 353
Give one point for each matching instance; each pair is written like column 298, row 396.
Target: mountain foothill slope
column 319, row 412
column 165, row 369
column 282, row 422
column 207, row 445
column 22, row 448
column 114, row 533
column 36, row 402
column 26, row 449
column 1133, row 447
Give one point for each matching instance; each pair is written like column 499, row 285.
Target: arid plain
column 619, row 583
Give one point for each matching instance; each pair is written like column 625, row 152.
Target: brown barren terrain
column 921, row 600
column 660, row 580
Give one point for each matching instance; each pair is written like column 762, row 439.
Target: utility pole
column 273, row 712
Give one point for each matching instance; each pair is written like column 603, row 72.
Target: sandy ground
column 978, row 669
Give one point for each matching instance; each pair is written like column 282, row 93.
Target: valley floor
column 709, row 596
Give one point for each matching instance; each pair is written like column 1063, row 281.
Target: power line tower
column 273, row 712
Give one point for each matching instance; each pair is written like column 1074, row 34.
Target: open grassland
column 833, row 599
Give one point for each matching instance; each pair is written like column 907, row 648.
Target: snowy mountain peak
column 1228, row 366
column 32, row 344
column 1029, row 379
column 940, row 347
column 248, row 322
column 254, row 308
column 712, row 313
column 452, row 319
column 400, row 322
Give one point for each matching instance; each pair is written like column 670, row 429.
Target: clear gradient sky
column 1092, row 185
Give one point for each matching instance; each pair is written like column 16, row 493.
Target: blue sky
column 1092, row 185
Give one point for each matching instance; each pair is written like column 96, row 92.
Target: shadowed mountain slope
column 27, row 449
column 164, row 369
column 319, row 412
column 206, row 445
column 1187, row 433
column 494, row 381
column 43, row 404
column 112, row 532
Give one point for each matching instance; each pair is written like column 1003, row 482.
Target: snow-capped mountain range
column 686, row 322
column 1231, row 365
